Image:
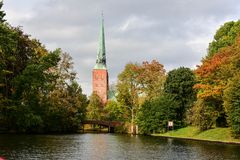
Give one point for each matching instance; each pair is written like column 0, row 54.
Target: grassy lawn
column 216, row 134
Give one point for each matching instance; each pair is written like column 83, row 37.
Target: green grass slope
column 216, row 134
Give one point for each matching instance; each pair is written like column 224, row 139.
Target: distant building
column 100, row 73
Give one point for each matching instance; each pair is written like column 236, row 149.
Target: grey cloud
column 175, row 32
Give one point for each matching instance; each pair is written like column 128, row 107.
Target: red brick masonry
column 100, row 83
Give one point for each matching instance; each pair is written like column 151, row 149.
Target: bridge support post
column 110, row 129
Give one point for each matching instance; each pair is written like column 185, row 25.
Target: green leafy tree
column 77, row 106
column 38, row 91
column 204, row 114
column 113, row 111
column 19, row 55
column 179, row 83
column 2, row 13
column 153, row 116
column 225, row 36
column 17, row 51
column 65, row 109
column 32, row 86
column 232, row 104
column 128, row 91
column 95, row 107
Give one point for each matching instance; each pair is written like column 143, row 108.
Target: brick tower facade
column 100, row 73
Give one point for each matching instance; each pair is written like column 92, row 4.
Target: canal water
column 111, row 147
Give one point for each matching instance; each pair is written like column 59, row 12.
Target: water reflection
column 111, row 146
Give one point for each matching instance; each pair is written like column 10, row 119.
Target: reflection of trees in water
column 36, row 146
column 111, row 146
column 205, row 150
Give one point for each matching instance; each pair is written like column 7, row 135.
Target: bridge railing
column 103, row 123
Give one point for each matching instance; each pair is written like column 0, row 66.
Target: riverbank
column 221, row 135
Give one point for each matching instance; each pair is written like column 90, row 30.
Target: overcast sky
column 175, row 32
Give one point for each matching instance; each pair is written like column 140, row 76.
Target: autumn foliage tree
column 213, row 76
column 151, row 77
column 136, row 83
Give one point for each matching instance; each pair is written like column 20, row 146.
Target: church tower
column 100, row 73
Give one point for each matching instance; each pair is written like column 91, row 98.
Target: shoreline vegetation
column 39, row 91
column 217, row 135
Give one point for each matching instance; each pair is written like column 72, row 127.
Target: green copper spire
column 101, row 55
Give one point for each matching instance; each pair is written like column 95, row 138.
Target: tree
column 19, row 55
column 95, row 107
column 153, row 115
column 38, row 91
column 78, row 105
column 213, row 76
column 232, row 104
column 179, row 83
column 204, row 114
column 128, row 91
column 225, row 36
column 65, row 109
column 2, row 13
column 113, row 111
column 17, row 51
column 210, row 86
column 31, row 89
column 136, row 83
column 66, row 104
column 151, row 77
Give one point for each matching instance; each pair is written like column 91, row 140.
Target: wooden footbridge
column 109, row 124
